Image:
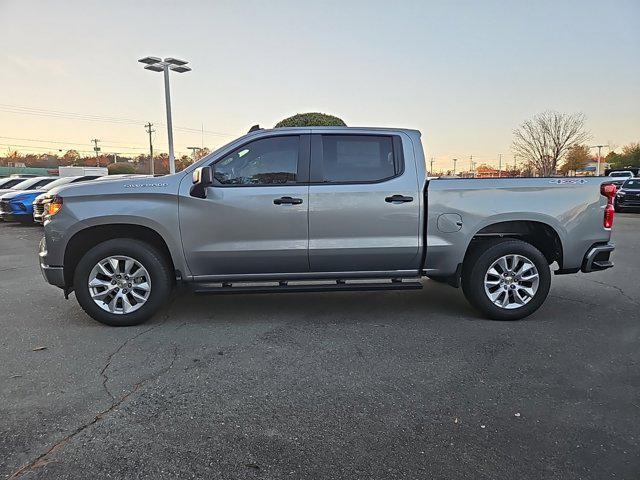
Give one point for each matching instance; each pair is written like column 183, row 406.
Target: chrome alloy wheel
column 119, row 284
column 511, row 281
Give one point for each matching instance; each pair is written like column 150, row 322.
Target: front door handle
column 398, row 199
column 287, row 201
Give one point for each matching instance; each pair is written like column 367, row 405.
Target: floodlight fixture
column 150, row 60
column 175, row 61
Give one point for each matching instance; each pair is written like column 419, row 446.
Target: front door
column 254, row 219
column 364, row 204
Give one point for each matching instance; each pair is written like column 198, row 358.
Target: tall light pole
column 599, row 147
column 454, row 166
column 156, row 64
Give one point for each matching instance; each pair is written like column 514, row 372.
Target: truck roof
column 337, row 128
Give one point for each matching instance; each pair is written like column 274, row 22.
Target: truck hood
column 167, row 184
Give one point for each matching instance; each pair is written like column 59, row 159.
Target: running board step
column 284, row 288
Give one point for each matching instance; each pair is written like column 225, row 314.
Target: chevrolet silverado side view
column 321, row 209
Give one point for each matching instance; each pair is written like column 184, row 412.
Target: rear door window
column 356, row 158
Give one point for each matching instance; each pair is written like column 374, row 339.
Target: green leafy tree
column 313, row 119
column 577, row 157
column 71, row 157
column 183, row 162
column 121, row 168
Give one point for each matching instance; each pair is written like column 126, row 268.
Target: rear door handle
column 287, row 201
column 398, row 199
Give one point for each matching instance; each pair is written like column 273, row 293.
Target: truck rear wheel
column 122, row 282
column 506, row 280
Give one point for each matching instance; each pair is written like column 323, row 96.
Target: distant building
column 485, row 171
column 592, row 167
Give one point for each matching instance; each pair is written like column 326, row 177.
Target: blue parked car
column 17, row 204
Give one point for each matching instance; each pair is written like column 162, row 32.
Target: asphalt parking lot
column 348, row 385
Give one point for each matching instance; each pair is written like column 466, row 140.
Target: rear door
column 254, row 218
column 364, row 204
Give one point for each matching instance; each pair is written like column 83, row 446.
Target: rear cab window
column 355, row 158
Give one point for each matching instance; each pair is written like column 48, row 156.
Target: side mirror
column 202, row 178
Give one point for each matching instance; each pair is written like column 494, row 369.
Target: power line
column 41, row 140
column 19, row 109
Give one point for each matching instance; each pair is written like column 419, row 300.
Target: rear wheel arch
column 82, row 241
column 539, row 234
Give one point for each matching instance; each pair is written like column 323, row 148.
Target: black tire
column 148, row 256
column 479, row 261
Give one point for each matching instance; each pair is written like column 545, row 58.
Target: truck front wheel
column 122, row 282
column 506, row 280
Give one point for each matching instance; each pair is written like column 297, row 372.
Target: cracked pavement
column 347, row 385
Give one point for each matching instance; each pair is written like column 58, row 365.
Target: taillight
column 609, row 190
column 609, row 215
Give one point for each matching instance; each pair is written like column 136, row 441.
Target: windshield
column 33, row 183
column 633, row 183
column 24, row 184
column 620, row 174
column 58, row 182
column 10, row 182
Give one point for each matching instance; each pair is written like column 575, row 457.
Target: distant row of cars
column 628, row 194
column 26, row 200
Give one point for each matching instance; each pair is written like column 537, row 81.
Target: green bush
column 313, row 119
column 121, row 168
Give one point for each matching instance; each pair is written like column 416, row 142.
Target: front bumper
column 52, row 274
column 629, row 200
column 12, row 213
column 38, row 212
column 598, row 258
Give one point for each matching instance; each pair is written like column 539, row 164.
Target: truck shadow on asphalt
column 434, row 302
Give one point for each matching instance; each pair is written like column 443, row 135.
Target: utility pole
column 115, row 158
column 515, row 165
column 454, row 166
column 149, row 130
column 193, row 151
column 499, row 165
column 471, row 166
column 96, row 149
column 431, row 166
column 599, row 147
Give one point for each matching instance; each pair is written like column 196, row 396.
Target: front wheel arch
column 85, row 239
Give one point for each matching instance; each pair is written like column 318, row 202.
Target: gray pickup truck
column 321, row 209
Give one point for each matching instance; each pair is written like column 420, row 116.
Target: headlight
column 621, row 193
column 53, row 206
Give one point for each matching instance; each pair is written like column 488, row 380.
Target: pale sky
column 465, row 73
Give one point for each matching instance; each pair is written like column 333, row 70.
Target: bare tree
column 546, row 138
